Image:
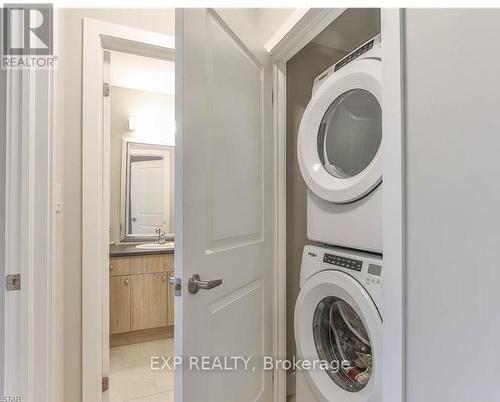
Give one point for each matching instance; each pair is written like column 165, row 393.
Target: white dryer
column 339, row 150
column 338, row 318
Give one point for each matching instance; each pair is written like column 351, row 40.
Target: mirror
column 147, row 191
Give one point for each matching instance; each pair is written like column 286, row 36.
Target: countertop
column 122, row 250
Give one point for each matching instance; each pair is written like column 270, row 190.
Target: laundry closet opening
column 342, row 158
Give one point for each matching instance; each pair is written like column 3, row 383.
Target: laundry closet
column 358, row 31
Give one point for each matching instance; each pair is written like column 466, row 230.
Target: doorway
column 139, row 119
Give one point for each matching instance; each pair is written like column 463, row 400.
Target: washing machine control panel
column 365, row 268
column 343, row 262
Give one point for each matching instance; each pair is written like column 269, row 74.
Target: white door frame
column 302, row 30
column 29, row 358
column 394, row 225
column 97, row 37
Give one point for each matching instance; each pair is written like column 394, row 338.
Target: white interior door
column 148, row 196
column 225, row 203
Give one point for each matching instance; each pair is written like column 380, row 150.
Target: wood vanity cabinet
column 141, row 297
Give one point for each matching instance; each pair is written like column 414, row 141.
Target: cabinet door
column 119, row 304
column 170, row 300
column 148, row 301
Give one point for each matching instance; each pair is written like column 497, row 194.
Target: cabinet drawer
column 149, row 264
column 119, row 266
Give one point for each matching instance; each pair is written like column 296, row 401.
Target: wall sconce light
column 131, row 123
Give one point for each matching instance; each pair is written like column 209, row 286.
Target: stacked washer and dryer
column 338, row 313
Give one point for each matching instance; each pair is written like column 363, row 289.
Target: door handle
column 195, row 283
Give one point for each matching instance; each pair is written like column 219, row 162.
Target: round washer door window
column 350, row 133
column 341, row 337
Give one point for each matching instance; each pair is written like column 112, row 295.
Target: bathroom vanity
column 141, row 296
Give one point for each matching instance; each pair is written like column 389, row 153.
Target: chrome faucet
column 161, row 236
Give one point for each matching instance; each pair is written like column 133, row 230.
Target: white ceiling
column 142, row 73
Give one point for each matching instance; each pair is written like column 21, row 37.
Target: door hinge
column 13, row 282
column 105, row 384
column 106, row 89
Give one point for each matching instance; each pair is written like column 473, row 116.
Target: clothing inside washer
column 341, row 336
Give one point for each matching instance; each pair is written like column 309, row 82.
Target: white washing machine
column 338, row 318
column 339, row 150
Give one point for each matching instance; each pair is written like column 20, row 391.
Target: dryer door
column 338, row 330
column 340, row 135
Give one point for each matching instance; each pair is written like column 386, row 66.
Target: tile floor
column 131, row 378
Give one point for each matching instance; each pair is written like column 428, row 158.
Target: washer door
column 338, row 330
column 340, row 135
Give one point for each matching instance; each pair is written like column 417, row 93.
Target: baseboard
column 145, row 335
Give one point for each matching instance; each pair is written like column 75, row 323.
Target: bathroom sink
column 156, row 246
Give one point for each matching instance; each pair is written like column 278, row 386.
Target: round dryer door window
column 341, row 336
column 340, row 139
column 350, row 133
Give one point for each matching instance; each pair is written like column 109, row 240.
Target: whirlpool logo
column 28, row 36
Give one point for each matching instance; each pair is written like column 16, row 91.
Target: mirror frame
column 149, row 148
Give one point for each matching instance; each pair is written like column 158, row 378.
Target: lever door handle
column 195, row 283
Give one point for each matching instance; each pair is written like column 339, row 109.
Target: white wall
column 69, row 169
column 155, row 123
column 453, row 204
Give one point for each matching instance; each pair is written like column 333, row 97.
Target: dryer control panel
column 369, row 49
